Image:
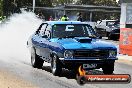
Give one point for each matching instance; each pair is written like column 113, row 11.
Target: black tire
column 81, row 80
column 36, row 61
column 108, row 68
column 74, row 73
column 56, row 66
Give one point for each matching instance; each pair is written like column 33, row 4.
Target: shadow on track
column 69, row 74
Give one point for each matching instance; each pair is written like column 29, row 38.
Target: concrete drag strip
column 8, row 80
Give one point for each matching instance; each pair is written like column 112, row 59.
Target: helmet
column 65, row 15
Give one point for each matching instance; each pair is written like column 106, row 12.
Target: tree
column 13, row 6
column 6, row 7
column 44, row 3
column 62, row 2
column 40, row 3
column 1, row 13
column 86, row 2
column 98, row 2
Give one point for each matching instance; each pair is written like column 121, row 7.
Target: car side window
column 89, row 30
column 48, row 31
column 42, row 29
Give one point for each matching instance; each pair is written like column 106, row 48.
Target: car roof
column 64, row 22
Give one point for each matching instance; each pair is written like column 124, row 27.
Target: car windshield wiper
column 68, row 37
column 92, row 36
column 76, row 36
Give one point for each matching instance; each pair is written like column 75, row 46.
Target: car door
column 38, row 38
column 45, row 51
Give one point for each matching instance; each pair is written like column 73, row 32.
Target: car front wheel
column 36, row 61
column 56, row 66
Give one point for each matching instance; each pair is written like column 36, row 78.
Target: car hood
column 83, row 43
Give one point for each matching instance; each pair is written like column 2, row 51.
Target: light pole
column 33, row 5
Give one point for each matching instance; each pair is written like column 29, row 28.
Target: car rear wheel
column 108, row 68
column 36, row 61
column 56, row 66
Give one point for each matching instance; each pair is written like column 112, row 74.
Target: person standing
column 41, row 16
column 64, row 18
column 51, row 18
column 79, row 17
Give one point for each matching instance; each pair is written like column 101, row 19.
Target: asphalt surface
column 43, row 78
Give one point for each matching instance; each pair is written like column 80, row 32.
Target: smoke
column 14, row 34
column 73, row 18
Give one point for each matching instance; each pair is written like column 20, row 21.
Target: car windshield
column 112, row 24
column 72, row 30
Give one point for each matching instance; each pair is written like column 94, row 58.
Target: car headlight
column 68, row 54
column 112, row 53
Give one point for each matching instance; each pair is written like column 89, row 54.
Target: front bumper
column 75, row 63
column 88, row 59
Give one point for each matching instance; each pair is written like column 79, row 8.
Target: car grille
column 91, row 54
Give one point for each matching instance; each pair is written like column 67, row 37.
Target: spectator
column 51, row 18
column 79, row 17
column 64, row 18
column 41, row 16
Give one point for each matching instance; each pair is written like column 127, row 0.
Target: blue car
column 70, row 44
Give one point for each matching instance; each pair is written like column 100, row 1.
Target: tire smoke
column 14, row 34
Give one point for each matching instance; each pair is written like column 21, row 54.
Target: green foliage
column 98, row 2
column 62, row 2
column 1, row 7
column 43, row 3
column 13, row 6
column 40, row 3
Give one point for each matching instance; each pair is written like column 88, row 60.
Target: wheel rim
column 33, row 58
column 54, row 64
